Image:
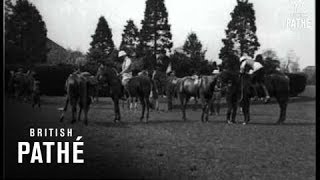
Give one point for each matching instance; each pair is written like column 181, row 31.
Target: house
column 56, row 53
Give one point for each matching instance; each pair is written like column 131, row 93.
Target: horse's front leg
column 64, row 109
column 234, row 112
column 283, row 111
column 116, row 109
column 131, row 103
column 229, row 104
column 187, row 98
column 207, row 109
column 79, row 114
column 246, row 111
column 203, row 105
column 182, row 99
column 148, row 108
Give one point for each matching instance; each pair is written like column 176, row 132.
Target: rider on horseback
column 256, row 69
column 126, row 73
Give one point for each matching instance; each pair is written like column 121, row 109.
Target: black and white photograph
column 159, row 89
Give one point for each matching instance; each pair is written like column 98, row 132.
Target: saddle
column 197, row 80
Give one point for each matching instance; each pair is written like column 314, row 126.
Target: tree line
column 150, row 47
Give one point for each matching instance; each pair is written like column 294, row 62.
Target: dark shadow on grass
column 273, row 101
column 284, row 124
column 172, row 121
column 110, row 124
column 101, row 107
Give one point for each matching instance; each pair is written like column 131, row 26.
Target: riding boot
column 267, row 97
column 255, row 96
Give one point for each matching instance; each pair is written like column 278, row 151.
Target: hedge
column 298, row 82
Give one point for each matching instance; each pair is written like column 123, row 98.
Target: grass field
column 168, row 148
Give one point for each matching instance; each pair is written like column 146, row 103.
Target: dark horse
column 109, row 76
column 202, row 88
column 277, row 84
column 138, row 86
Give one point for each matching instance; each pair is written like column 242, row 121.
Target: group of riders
column 27, row 86
column 24, row 86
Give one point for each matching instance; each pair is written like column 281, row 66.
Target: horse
column 206, row 89
column 109, row 75
column 78, row 87
column 277, row 84
column 167, row 86
column 140, row 87
column 202, row 87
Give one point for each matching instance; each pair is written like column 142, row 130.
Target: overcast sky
column 71, row 23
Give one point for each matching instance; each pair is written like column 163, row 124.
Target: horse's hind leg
column 283, row 111
column 74, row 111
column 143, row 103
column 79, row 114
column 86, row 115
column 147, row 103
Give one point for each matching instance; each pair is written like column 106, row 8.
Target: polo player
column 217, row 94
column 257, row 71
column 126, row 70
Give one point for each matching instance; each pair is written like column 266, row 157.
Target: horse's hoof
column 230, row 122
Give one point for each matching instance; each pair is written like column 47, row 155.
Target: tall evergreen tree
column 26, row 34
column 193, row 47
column 102, row 44
column 155, row 33
column 241, row 32
column 130, row 38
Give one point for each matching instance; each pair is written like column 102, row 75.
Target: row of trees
column 150, row 46
column 26, row 36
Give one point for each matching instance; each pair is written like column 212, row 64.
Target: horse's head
column 229, row 80
column 105, row 73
